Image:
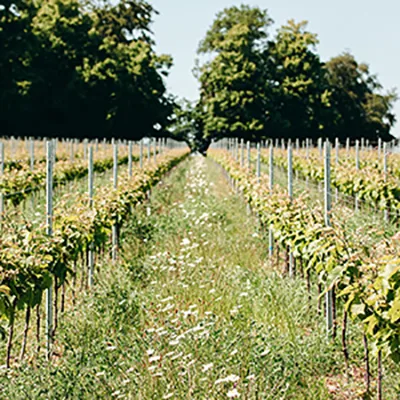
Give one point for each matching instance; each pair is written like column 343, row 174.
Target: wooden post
column 258, row 162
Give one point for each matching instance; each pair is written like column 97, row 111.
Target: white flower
column 168, row 396
column 233, row 393
column 185, row 242
column 206, row 367
column 265, row 353
column 229, row 378
column 166, row 299
column 167, row 308
column 154, row 358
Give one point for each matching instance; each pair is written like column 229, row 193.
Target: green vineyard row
column 366, row 280
column 31, row 261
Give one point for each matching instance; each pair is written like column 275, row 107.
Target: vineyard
column 133, row 270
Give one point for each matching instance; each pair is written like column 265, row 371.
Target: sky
column 369, row 29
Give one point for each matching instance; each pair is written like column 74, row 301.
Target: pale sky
column 369, row 29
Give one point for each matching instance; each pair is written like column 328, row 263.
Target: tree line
column 255, row 86
column 81, row 68
column 88, row 68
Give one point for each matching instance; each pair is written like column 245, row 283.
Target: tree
column 361, row 110
column 85, row 69
column 231, row 95
column 16, row 46
column 300, row 96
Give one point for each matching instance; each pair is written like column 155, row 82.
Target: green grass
column 191, row 311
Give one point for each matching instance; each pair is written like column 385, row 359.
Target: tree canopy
column 81, row 68
column 255, row 87
column 88, row 68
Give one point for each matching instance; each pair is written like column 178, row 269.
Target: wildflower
column 154, row 358
column 167, row 308
column 166, row 299
column 265, row 353
column 229, row 378
column 233, row 393
column 175, row 357
column 206, row 367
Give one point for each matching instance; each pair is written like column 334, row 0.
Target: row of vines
column 368, row 182
column 32, row 262
column 365, row 281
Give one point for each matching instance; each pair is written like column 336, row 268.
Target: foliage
column 357, row 101
column 81, row 69
column 368, row 184
column 299, row 105
column 367, row 279
column 232, row 83
column 30, row 260
column 254, row 88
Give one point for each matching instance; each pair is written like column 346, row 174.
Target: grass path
column 191, row 311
